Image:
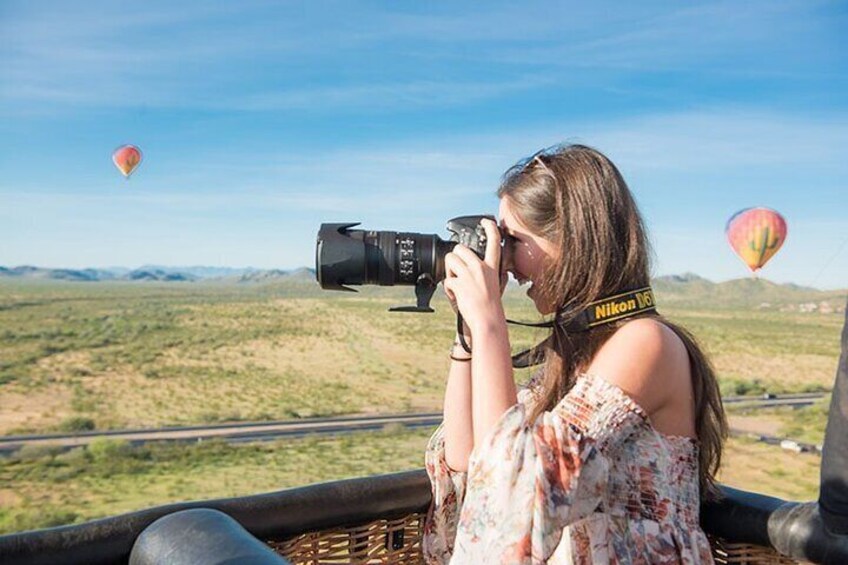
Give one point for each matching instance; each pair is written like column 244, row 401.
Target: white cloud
column 716, row 138
column 257, row 56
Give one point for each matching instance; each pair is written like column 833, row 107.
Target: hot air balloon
column 126, row 158
column 755, row 234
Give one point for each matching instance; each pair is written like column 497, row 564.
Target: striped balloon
column 756, row 234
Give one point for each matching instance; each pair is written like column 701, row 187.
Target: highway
column 271, row 430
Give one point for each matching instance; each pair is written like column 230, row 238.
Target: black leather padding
column 797, row 530
column 833, row 495
column 740, row 516
column 201, row 536
column 794, row 529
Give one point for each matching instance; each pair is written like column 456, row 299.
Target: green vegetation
column 83, row 356
column 77, row 424
column 805, row 424
column 43, row 487
column 79, row 356
column 766, row 469
column 741, row 387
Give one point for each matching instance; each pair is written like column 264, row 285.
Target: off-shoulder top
column 591, row 481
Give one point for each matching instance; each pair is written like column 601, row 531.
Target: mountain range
column 156, row 273
column 692, row 291
column 688, row 289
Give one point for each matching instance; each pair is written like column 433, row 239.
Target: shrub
column 36, row 452
column 76, row 457
column 105, row 449
column 812, row 387
column 734, row 387
column 77, row 424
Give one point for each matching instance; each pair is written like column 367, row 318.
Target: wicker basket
column 396, row 542
column 747, row 554
column 382, row 541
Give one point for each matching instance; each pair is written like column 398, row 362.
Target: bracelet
column 454, row 357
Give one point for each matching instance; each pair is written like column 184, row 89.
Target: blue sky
column 260, row 120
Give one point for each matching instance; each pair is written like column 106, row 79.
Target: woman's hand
column 475, row 286
column 466, row 331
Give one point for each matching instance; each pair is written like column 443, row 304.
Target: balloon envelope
column 756, row 234
column 126, row 158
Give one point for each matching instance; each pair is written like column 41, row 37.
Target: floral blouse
column 589, row 482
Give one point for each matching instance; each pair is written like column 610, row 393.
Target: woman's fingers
column 481, row 270
column 451, row 297
column 449, row 290
column 454, row 265
column 469, row 258
column 464, row 253
column 493, row 244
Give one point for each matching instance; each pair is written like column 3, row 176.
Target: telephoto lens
column 344, row 256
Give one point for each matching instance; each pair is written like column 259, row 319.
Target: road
column 266, row 431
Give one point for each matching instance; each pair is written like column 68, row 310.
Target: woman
column 605, row 455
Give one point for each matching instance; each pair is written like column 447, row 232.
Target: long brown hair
column 574, row 197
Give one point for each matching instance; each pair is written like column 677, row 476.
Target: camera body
column 469, row 231
column 344, row 256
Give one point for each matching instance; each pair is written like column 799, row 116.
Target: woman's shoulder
column 647, row 360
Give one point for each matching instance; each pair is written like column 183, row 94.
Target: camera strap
column 599, row 312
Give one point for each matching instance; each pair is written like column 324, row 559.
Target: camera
column 345, row 256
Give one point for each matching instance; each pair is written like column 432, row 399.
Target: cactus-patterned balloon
column 755, row 234
column 126, row 158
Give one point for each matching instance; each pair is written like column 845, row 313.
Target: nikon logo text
column 642, row 300
column 614, row 309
